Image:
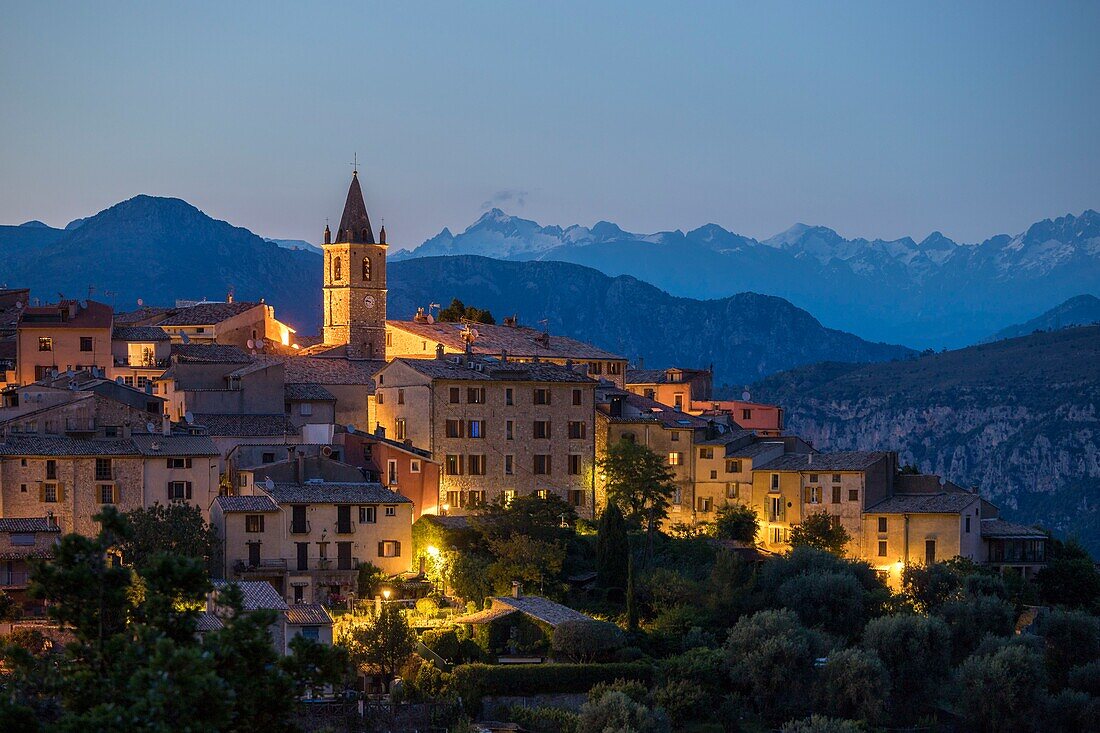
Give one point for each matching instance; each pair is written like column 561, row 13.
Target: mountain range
column 932, row 293
column 1017, row 418
column 1077, row 311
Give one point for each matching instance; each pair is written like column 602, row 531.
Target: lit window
column 45, row 343
column 389, row 548
column 254, row 523
column 414, row 465
column 675, row 458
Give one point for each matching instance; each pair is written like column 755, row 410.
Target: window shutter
column 397, row 549
column 380, row 549
column 42, row 492
column 114, row 494
column 187, row 488
column 169, row 491
column 60, row 492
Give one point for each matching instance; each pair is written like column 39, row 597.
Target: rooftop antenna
column 355, row 164
column 430, row 306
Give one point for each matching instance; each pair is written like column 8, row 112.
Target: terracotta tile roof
column 542, row 609
column 208, row 622
column 485, row 616
column 256, row 594
column 141, row 314
column 639, row 408
column 519, row 341
column 57, row 445
column 1000, row 529
column 307, row 614
column 258, row 503
column 492, row 370
column 206, row 314
column 660, row 376
column 209, row 354
column 823, row 462
column 175, row 445
column 334, row 492
column 139, row 333
column 28, row 524
column 96, row 315
column 330, row 370
column 306, row 391
column 246, row 425
column 256, row 366
column 947, row 502
column 752, row 450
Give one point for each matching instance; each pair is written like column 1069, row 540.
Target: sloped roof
column 485, row 615
column 354, row 222
column 139, row 333
column 660, row 376
column 154, row 444
column 208, row 622
column 56, row 315
column 246, row 425
column 945, row 502
column 259, row 503
column 307, row 614
column 256, row 594
column 494, row 371
column 141, row 314
column 207, row 314
column 519, row 341
column 306, row 392
column 1000, row 529
column 824, row 462
column 754, row 449
column 209, row 354
column 330, row 370
column 28, row 524
column 59, row 445
column 334, row 492
column 537, row 607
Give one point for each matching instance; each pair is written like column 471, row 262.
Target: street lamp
column 386, row 593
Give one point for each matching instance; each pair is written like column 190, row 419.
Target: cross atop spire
column 355, row 224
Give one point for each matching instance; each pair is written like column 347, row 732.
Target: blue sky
column 877, row 119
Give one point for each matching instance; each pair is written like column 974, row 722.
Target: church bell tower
column 355, row 281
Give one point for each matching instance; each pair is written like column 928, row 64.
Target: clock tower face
column 369, row 301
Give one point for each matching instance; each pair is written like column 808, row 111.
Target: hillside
column 745, row 336
column 930, row 293
column 1079, row 311
column 1018, row 418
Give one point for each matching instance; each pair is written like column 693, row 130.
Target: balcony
column 299, row 527
column 345, row 527
column 336, row 565
column 265, row 567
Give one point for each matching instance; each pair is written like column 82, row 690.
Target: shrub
column 821, row 724
column 586, row 641
column 769, row 656
column 1002, row 691
column 683, row 700
column 854, row 684
column 916, row 651
column 1072, row 639
column 544, row 719
column 1086, row 678
column 474, row 681
column 426, row 607
column 635, row 690
column 443, row 642
column 1071, row 711
column 972, row 619
column 832, row 602
column 615, row 711
column 736, row 522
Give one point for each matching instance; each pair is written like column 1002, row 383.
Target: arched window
column 366, row 269
column 336, row 274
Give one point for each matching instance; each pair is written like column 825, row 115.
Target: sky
column 875, row 119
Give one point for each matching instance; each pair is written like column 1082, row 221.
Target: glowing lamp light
column 386, row 594
column 433, row 551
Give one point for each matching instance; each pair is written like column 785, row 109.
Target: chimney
column 379, row 431
column 515, row 589
column 809, row 459
column 641, row 362
column 72, row 309
column 300, row 468
column 439, row 351
column 165, row 424
column 504, row 356
column 229, row 296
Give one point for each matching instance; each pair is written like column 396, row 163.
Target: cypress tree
column 612, row 548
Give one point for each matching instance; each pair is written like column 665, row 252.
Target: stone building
column 66, row 336
column 231, row 323
column 674, row 387
column 497, row 428
column 140, row 354
column 21, row 541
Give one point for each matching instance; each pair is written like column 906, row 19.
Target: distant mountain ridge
column 1016, row 418
column 930, row 293
column 1078, row 311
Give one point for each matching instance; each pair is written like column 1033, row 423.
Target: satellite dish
column 141, row 301
column 84, row 304
column 189, row 418
column 118, row 380
column 253, row 352
column 269, row 484
column 251, row 344
column 351, row 429
column 18, row 305
column 150, row 427
column 473, row 334
column 746, row 396
column 184, row 337
column 431, row 318
column 69, row 373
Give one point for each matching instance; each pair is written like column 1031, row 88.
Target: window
column 254, row 523
column 475, row 395
column 368, row 514
column 49, row 493
column 454, row 498
column 733, row 465
column 542, row 428
column 476, row 429
column 777, row 535
column 301, row 549
column 186, row 462
column 305, row 409
column 85, row 343
column 853, row 494
column 775, row 482
column 312, row 632
column 813, row 494
column 576, row 497
column 746, row 414
column 476, row 464
column 929, row 552
column 968, row 525
column 836, row 478
column 509, row 465
column 45, row 343
column 678, row 402
column 882, row 524
column 576, row 397
column 400, row 396
column 509, row 494
column 574, row 464
column 542, row 493
column 706, row 453
column 179, row 490
column 578, row 429
column 103, row 469
column 713, row 475
column 614, row 367
column 508, row 396
column 22, row 540
column 337, row 272
column 51, row 469
column 542, row 396
column 381, row 397
column 675, row 436
column 704, row 503
column 678, row 496
column 508, row 430
column 475, row 497
column 298, row 523
column 595, row 367
column 400, row 431
column 813, row 478
column 343, row 556
column 731, row 490
column 650, row 394
column 414, row 465
column 389, row 548
column 775, row 507
column 143, row 382
column 454, row 429
column 882, row 548
column 542, row 464
column 453, row 464
column 343, row 519
column 106, row 494
column 454, row 392
column 366, row 269
column 836, row 494
column 675, row 458
column 391, row 471
column 254, row 554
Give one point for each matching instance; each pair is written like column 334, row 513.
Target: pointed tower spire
column 355, row 224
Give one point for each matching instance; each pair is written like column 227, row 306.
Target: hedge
column 475, row 681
